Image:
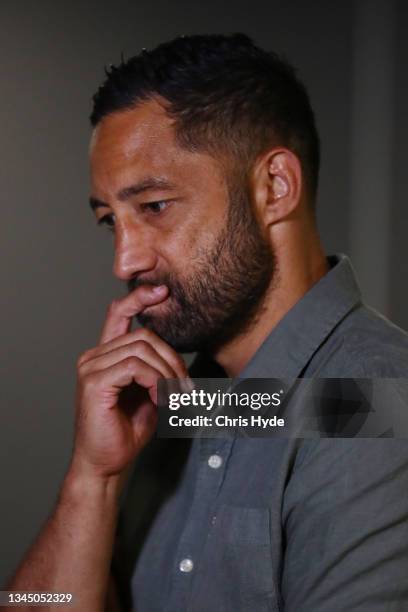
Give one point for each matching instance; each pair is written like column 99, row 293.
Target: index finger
column 120, row 312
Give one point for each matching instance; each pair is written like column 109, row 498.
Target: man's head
column 195, row 143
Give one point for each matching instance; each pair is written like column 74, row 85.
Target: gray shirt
column 294, row 525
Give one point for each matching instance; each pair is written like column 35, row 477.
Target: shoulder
column 367, row 344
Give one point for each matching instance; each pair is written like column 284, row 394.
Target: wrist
column 82, row 483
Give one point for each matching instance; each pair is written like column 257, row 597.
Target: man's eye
column 108, row 221
column 156, row 208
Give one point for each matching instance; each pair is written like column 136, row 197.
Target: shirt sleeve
column 346, row 527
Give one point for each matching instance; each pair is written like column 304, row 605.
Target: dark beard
column 223, row 295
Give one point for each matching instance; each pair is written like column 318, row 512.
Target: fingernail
column 159, row 289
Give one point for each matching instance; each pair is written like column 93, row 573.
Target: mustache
column 134, row 283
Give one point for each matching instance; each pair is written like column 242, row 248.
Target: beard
column 222, row 295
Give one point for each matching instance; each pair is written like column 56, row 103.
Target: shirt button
column 215, row 461
column 186, row 565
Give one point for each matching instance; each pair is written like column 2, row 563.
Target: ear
column 277, row 185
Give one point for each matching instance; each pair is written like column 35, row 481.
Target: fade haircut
column 227, row 97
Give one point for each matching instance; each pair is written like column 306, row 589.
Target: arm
column 72, row 553
column 115, row 418
column 346, row 526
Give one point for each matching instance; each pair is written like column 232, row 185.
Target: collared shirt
column 256, row 525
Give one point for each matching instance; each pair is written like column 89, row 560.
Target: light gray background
column 56, row 265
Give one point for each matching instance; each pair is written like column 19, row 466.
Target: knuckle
column 131, row 362
column 114, row 306
column 83, row 358
column 89, row 381
column 141, row 346
column 83, row 370
column 142, row 333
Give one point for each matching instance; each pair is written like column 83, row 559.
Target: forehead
column 123, row 132
column 130, row 144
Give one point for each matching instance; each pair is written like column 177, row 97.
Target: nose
column 134, row 252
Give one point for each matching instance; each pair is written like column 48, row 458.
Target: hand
column 116, row 394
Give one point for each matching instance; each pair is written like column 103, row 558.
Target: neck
column 301, row 262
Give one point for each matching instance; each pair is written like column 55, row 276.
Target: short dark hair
column 226, row 95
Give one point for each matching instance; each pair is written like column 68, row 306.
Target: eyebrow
column 148, row 184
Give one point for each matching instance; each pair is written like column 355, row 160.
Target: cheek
column 196, row 234
column 195, row 245
column 177, row 254
column 179, row 258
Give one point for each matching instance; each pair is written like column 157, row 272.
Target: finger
column 144, row 422
column 121, row 374
column 121, row 312
column 175, row 360
column 141, row 349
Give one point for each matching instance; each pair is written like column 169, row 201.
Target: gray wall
column 56, row 266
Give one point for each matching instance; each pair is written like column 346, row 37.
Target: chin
column 179, row 341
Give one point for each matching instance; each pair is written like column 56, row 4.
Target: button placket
column 209, row 478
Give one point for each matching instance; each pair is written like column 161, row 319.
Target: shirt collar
column 291, row 344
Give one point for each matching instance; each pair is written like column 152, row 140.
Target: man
column 204, row 164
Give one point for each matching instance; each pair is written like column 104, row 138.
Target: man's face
column 176, row 223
